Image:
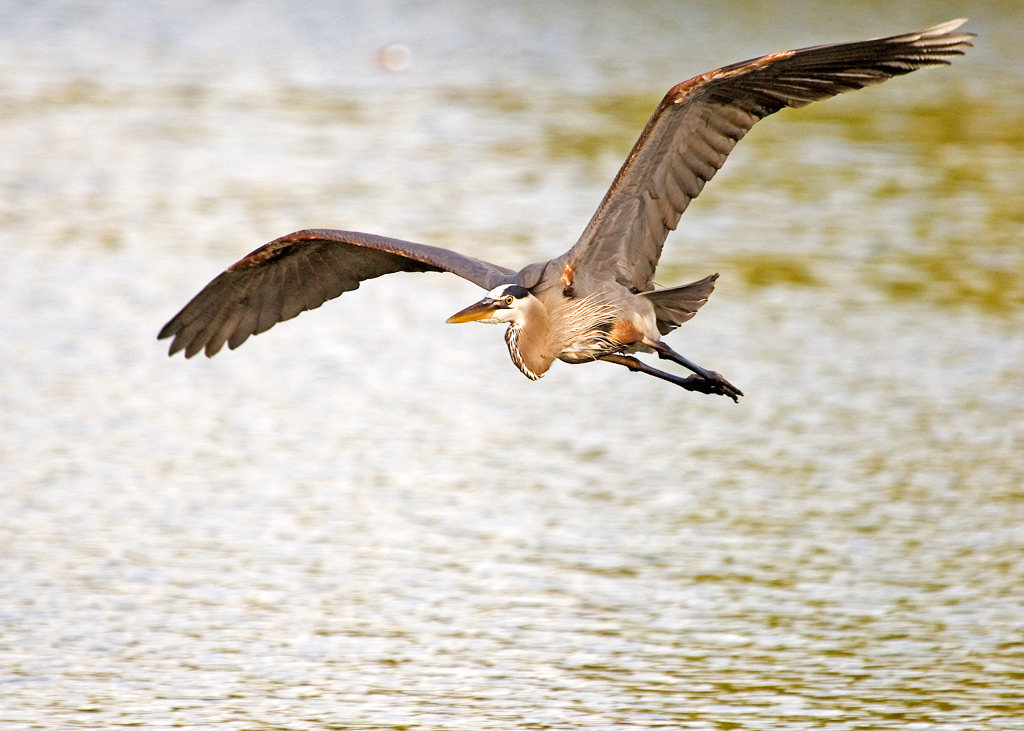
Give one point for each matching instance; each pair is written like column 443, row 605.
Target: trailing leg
column 696, row 383
column 663, row 351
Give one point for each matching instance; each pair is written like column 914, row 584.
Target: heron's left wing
column 699, row 122
column 300, row 272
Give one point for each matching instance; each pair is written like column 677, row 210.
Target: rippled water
column 369, row 519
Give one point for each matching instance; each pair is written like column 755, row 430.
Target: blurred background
column 369, row 519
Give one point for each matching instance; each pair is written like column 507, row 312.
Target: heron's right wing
column 699, row 122
column 300, row 272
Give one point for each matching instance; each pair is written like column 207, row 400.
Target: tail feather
column 676, row 305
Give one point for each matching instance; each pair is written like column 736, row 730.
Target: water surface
column 368, row 519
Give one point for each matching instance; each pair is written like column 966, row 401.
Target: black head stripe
column 516, row 291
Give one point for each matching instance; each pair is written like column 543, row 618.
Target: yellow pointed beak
column 477, row 311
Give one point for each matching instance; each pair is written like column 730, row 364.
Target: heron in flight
column 596, row 301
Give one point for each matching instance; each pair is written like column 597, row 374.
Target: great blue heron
column 597, row 300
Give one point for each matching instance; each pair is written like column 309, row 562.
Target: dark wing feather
column 300, row 272
column 699, row 121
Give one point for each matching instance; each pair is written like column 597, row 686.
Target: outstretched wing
column 699, row 121
column 300, row 272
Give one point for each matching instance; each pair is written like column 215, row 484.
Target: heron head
column 501, row 304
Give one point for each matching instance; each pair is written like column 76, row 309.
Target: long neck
column 530, row 342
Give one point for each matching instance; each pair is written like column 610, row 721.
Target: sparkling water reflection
column 366, row 519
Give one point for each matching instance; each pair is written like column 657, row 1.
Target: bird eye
column 509, row 300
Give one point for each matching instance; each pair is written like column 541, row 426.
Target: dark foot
column 713, row 385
